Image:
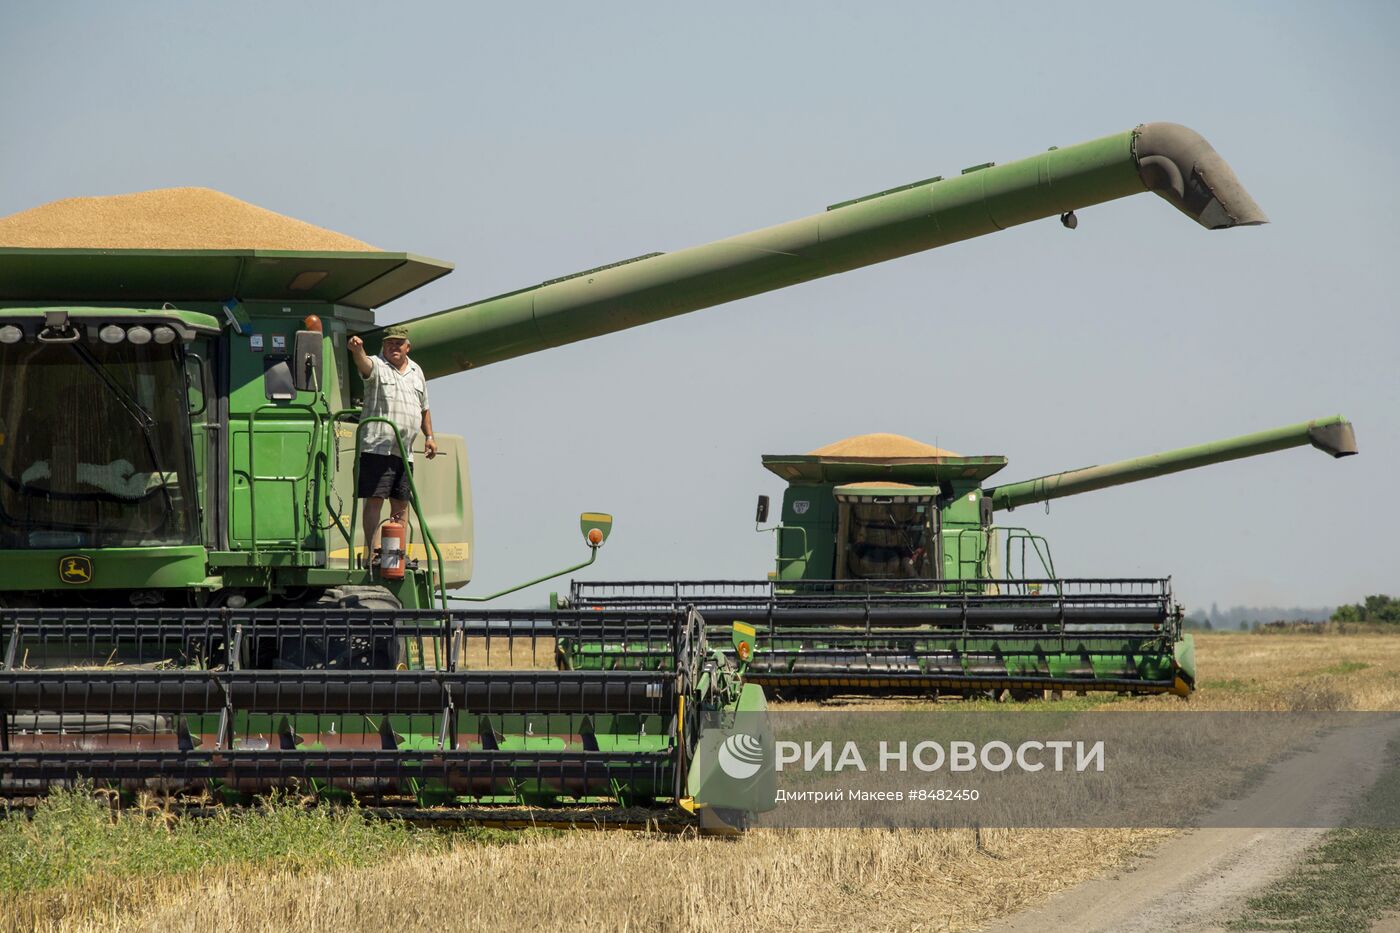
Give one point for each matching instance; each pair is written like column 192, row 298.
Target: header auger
column 893, row 576
column 177, row 453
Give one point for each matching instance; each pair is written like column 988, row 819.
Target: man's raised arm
column 362, row 360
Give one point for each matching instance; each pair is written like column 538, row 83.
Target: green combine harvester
column 182, row 601
column 894, row 577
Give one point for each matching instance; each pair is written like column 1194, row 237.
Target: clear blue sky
column 523, row 142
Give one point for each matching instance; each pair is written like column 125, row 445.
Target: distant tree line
column 1246, row 618
column 1375, row 609
column 1380, row 608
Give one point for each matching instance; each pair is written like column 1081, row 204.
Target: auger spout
column 1171, row 160
column 1333, row 436
column 1177, row 163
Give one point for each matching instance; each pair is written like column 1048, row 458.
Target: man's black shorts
column 382, row 476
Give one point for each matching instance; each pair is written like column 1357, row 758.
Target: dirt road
column 1200, row 880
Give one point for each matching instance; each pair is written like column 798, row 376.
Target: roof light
column 11, row 334
column 163, row 334
column 111, row 334
column 138, row 335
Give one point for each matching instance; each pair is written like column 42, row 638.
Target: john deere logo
column 75, row 568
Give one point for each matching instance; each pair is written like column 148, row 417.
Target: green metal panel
column 806, row 542
column 360, row 279
column 282, row 449
column 111, row 568
column 284, row 432
column 186, row 321
column 916, row 471
column 203, row 405
column 856, row 490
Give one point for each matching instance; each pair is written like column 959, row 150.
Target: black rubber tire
column 309, row 652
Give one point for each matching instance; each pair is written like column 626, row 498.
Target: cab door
column 202, row 400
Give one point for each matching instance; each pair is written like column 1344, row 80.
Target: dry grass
column 1292, row 672
column 508, row 654
column 815, row 879
column 819, row 880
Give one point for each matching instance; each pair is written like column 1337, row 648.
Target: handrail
column 979, row 561
column 1047, row 563
column 779, row 559
column 413, row 500
column 252, row 474
column 593, row 555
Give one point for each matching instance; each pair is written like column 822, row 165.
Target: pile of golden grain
column 881, row 447
column 167, row 218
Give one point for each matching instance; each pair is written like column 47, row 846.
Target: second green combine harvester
column 893, row 576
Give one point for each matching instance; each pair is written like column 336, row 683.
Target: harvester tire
column 309, row 653
column 359, row 597
column 362, row 653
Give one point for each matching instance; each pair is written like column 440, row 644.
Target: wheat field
column 812, row 879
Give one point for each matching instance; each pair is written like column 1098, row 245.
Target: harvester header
column 1171, row 160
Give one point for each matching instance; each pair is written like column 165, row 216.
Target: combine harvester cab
column 409, row 710
column 894, row 578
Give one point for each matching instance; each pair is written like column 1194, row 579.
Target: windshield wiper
column 138, row 414
column 133, row 407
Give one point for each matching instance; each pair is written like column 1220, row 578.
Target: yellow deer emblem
column 75, row 568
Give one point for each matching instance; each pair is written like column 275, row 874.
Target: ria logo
column 741, row 756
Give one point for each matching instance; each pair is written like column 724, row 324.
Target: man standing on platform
column 397, row 390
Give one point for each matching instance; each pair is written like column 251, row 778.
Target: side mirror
column 761, row 515
column 307, row 369
column 596, row 527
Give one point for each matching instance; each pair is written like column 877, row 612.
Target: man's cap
column 396, row 332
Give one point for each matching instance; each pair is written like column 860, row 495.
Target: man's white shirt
column 402, row 397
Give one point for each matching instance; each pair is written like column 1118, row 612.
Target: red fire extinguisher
column 392, row 549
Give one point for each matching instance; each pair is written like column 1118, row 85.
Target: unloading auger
column 1166, row 158
column 893, row 576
